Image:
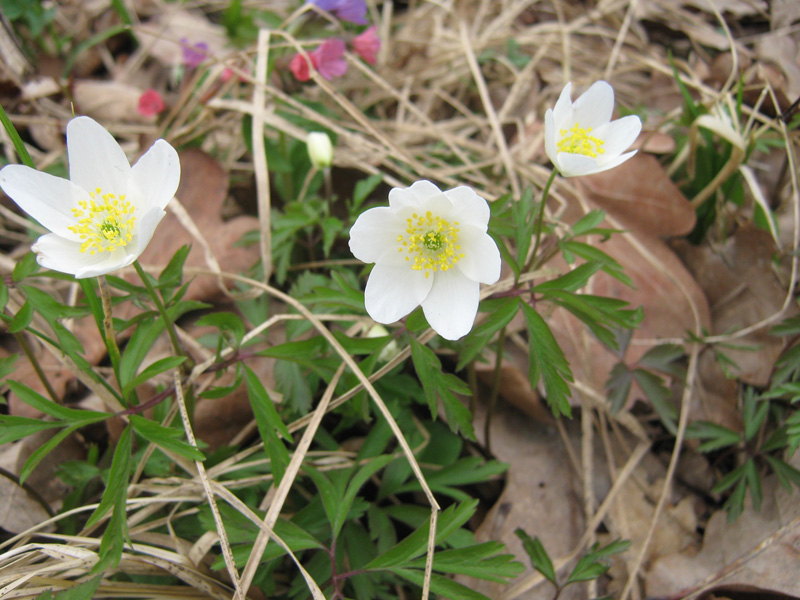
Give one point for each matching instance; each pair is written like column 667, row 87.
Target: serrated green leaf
column 753, row 482
column 477, row 339
column 664, row 358
column 618, row 386
column 358, row 480
column 754, row 414
column 539, row 558
column 729, row 480
column 589, row 566
column 440, row 585
column 588, row 222
column 80, row 591
column 547, row 362
column 7, row 365
column 42, row 451
column 141, row 341
column 268, row 422
column 786, row 473
column 364, row 187
column 659, row 396
column 25, row 267
column 22, row 319
column 571, row 248
column 172, row 274
column 15, row 428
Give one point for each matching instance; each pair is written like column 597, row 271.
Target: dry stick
column 587, row 462
column 289, row 476
column 494, row 123
column 623, row 31
column 259, row 152
column 227, row 553
column 370, row 389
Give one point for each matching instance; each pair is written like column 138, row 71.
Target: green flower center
column 105, row 223
column 430, row 243
column 578, row 141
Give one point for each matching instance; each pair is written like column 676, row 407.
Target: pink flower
column 328, row 59
column 194, row 54
column 367, row 45
column 325, row 58
column 150, row 103
column 300, row 68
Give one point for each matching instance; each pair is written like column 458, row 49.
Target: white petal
column 452, row 304
column 155, row 177
column 573, row 165
column 95, row 158
column 416, row 195
column 468, row 207
column 145, row 228
column 564, row 102
column 550, row 134
column 59, row 254
column 393, row 292
column 481, row 261
column 46, row 198
column 614, row 163
column 595, row 106
column 373, row 237
column 618, row 135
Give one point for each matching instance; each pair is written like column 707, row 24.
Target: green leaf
column 476, row 340
column 159, row 366
column 81, row 591
column 268, row 422
column 25, row 267
column 364, row 187
column 225, row 322
column 753, row 482
column 664, row 358
column 416, row 544
column 588, row 222
column 786, row 473
column 172, row 275
column 715, row 436
column 168, row 438
column 355, row 484
column 538, row 555
column 482, row 561
column 729, row 480
column 592, row 253
column 42, row 451
column 440, row 385
column 13, row 135
column 118, row 477
column 443, row 586
column 22, row 319
column 547, row 362
column 589, row 566
column 42, row 404
column 659, row 396
column 754, row 414
column 15, row 428
column 618, row 386
column 572, row 280
column 7, row 365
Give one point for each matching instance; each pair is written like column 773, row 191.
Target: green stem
column 540, row 219
column 26, row 348
column 108, row 326
column 498, row 363
column 162, row 310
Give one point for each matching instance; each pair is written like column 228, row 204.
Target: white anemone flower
column 430, row 248
column 104, row 215
column 580, row 137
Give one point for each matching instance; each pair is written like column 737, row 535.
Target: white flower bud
column 320, row 149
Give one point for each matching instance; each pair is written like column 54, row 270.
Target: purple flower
column 194, row 54
column 354, row 11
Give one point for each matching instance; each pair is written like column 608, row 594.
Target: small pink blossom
column 367, row 45
column 327, row 58
column 300, row 68
column 150, row 103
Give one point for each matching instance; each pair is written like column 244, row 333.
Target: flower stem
column 540, row 219
column 108, row 327
column 162, row 310
column 498, row 364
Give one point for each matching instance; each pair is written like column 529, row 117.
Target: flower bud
column 320, row 149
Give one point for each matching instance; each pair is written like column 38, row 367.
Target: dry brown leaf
column 19, row 510
column 642, row 197
column 759, row 550
column 162, row 36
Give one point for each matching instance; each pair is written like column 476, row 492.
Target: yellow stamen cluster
column 578, row 141
column 430, row 243
column 105, row 223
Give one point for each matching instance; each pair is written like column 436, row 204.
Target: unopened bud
column 320, row 149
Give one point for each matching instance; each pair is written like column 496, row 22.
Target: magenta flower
column 150, row 103
column 328, row 58
column 194, row 54
column 354, row 11
column 367, row 45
